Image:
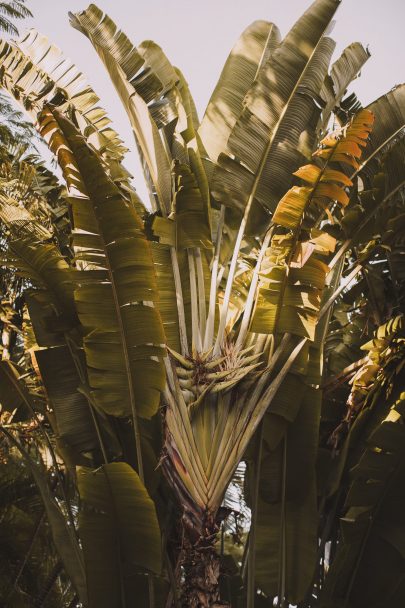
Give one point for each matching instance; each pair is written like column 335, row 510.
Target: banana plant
column 176, row 340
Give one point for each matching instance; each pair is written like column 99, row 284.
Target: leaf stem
column 219, row 482
column 209, row 329
column 252, row 291
column 179, row 301
column 201, row 290
column 344, row 283
column 195, row 326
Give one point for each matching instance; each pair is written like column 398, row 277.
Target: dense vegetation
column 202, row 399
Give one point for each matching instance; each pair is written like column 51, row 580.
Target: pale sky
column 198, row 35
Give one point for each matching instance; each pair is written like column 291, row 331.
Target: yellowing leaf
column 331, row 175
column 346, row 159
column 165, row 230
column 291, row 207
column 329, row 141
column 324, row 153
column 324, row 242
column 308, row 173
column 348, row 147
column 332, row 191
column 312, row 274
column 301, row 254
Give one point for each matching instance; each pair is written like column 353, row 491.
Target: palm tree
column 219, row 327
column 9, row 11
column 13, row 129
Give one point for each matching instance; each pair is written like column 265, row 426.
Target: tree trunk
column 200, row 565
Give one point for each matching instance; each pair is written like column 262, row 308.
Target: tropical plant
column 14, row 130
column 187, row 366
column 11, row 10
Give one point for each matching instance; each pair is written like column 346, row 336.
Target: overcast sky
column 198, row 35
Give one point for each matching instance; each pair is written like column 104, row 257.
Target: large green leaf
column 125, row 64
column 250, row 53
column 301, row 541
column 31, row 252
column 368, row 568
column 77, row 426
column 42, row 263
column 14, row 394
column 124, row 335
column 192, row 216
column 49, row 61
column 343, row 71
column 276, row 133
column 145, row 66
column 42, row 73
column 120, row 534
column 162, row 100
column 389, row 112
column 164, row 121
column 167, row 293
column 63, row 534
column 301, row 517
column 380, row 203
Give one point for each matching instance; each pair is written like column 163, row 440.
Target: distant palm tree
column 16, row 134
column 14, row 130
column 10, row 11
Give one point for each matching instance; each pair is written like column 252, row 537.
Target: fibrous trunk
column 200, row 565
